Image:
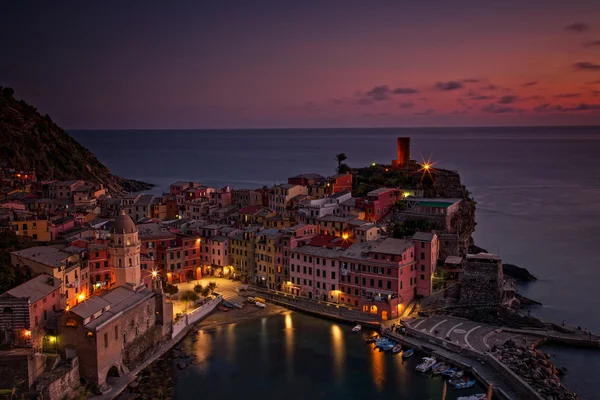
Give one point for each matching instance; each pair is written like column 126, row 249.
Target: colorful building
column 37, row 228
column 379, row 203
column 379, row 277
column 427, row 250
column 282, row 194
column 27, row 311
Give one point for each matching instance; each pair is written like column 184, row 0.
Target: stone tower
column 124, row 252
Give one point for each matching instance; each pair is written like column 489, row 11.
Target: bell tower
column 124, row 252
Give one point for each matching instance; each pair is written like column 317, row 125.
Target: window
column 389, row 284
column 379, row 283
column 422, row 277
column 423, row 267
column 400, row 285
column 422, row 245
column 422, row 256
column 71, row 323
column 117, row 332
column 332, row 286
column 332, row 274
column 105, row 340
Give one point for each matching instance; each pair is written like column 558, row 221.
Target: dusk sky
column 249, row 64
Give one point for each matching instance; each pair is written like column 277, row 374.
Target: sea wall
column 195, row 316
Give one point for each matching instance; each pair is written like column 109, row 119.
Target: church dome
column 123, row 224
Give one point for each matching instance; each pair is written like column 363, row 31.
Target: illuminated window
column 71, row 322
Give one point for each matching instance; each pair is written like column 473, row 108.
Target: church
column 110, row 333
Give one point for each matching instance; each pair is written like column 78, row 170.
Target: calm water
column 296, row 356
column 538, row 193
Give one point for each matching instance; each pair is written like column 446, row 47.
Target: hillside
column 30, row 140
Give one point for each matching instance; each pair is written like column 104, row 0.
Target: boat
column 478, row 396
column 465, row 385
column 357, row 328
column 388, row 346
column 228, row 304
column 260, row 304
column 396, row 349
column 458, row 374
column 440, row 368
column 407, row 353
column 457, row 381
column 381, row 343
column 426, row 365
column 251, row 300
column 236, row 304
column 222, row 308
column 372, row 339
column 450, row 372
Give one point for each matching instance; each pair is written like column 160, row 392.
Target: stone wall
column 14, row 369
column 481, row 282
column 135, row 352
column 61, row 383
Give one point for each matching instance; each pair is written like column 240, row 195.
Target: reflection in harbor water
column 289, row 345
column 295, row 356
column 378, row 368
column 338, row 349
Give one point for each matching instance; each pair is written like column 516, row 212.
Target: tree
column 212, row 287
column 170, row 289
column 198, row 289
column 189, row 296
column 205, row 291
column 340, row 158
column 343, row 168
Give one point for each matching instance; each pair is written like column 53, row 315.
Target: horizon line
column 334, row 128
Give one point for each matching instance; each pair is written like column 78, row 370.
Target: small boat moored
column 228, row 304
column 408, row 353
column 449, row 372
column 440, row 368
column 236, row 304
column 465, row 385
column 251, row 300
column 396, row 349
column 357, row 328
column 372, row 339
column 260, row 304
column 223, row 308
column 426, row 365
column 478, row 396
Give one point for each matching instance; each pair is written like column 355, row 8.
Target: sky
column 255, row 64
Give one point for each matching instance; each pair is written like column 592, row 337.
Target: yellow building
column 264, row 257
column 61, row 265
column 38, row 229
column 242, row 248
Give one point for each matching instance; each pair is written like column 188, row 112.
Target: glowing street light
column 154, row 273
column 81, row 297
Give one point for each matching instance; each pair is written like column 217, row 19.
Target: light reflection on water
column 338, row 347
column 289, row 346
column 298, row 357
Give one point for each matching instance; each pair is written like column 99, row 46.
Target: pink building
column 314, row 273
column 221, row 198
column 60, row 225
column 427, row 250
column 215, row 254
column 379, row 277
column 27, row 309
column 379, row 203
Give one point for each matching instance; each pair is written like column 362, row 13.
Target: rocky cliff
column 30, row 140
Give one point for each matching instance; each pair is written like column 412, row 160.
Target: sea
column 537, row 191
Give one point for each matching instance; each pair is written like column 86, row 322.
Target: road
column 465, row 333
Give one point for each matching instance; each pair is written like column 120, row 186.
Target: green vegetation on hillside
column 32, row 141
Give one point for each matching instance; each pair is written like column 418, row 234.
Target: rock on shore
column 518, row 273
column 535, row 368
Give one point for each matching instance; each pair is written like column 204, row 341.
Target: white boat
column 357, row 328
column 260, row 304
column 479, row 396
column 426, row 365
